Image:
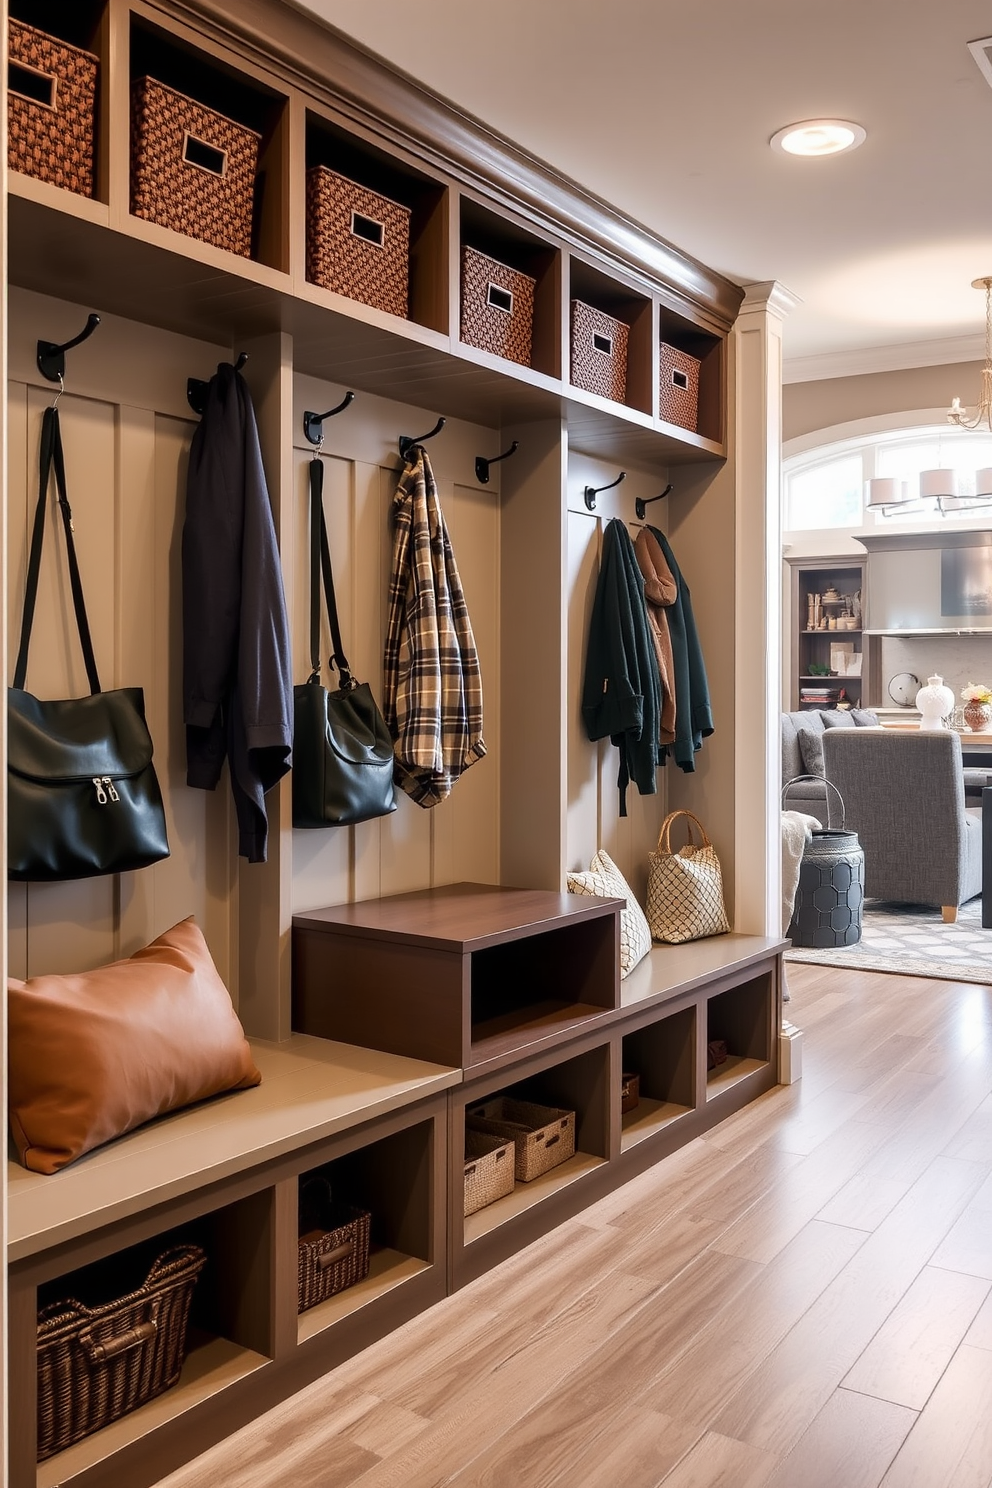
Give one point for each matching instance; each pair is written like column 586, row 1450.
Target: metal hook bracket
column 313, row 423
column 641, row 505
column 407, row 443
column 51, row 355
column 196, row 387
column 482, row 465
column 590, row 493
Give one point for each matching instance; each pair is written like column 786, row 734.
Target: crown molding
column 864, row 360
column 769, row 295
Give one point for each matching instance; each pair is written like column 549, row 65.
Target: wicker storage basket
column 497, row 307
column 488, row 1168
column 97, row 1363
column 334, row 1245
column 191, row 169
column 51, row 109
column 543, row 1136
column 358, row 242
column 599, row 352
column 630, row 1092
column 679, row 387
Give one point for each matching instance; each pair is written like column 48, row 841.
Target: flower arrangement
column 976, row 692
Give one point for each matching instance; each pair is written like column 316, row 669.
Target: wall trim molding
column 863, row 361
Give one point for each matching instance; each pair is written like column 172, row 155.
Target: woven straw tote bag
column 685, row 888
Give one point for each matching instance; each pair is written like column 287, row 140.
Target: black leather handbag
column 342, row 750
column 82, row 795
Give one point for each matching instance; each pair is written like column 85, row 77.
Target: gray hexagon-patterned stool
column 827, row 910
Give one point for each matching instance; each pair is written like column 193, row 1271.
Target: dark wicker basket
column 679, row 387
column 191, row 169
column 51, row 109
column 599, row 352
column 630, row 1092
column 97, row 1363
column 334, row 1245
column 358, row 242
column 497, row 307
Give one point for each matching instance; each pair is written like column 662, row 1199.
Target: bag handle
column 320, row 569
column 51, row 454
column 821, row 780
column 665, row 835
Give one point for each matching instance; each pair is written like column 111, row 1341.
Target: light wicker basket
column 96, row 1363
column 679, row 378
column 358, row 242
column 497, row 307
column 192, row 169
column 488, row 1169
column 51, row 109
column 599, row 352
column 334, row 1245
column 543, row 1136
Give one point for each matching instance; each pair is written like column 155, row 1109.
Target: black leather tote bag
column 82, row 795
column 342, row 750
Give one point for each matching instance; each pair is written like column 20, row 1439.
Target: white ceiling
column 665, row 108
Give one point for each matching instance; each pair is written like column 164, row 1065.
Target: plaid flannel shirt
column 432, row 685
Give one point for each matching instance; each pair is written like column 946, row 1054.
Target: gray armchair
column 904, row 795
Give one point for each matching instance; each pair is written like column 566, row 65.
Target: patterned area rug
column 914, row 941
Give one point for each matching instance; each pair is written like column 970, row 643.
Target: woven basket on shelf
column 630, row 1092
column 97, row 1363
column 497, row 307
column 358, row 242
column 51, row 109
column 543, row 1136
column 488, row 1168
column 192, row 169
column 599, row 352
column 333, row 1246
column 679, row 379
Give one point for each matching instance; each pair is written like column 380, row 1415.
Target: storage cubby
column 503, row 240
column 740, row 1018
column 209, row 81
column 663, row 1056
column 392, row 1180
column 595, row 288
column 427, row 200
column 82, row 25
column 710, row 352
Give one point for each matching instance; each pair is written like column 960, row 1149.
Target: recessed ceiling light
column 818, row 137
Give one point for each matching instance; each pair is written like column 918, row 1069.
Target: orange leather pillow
column 95, row 1054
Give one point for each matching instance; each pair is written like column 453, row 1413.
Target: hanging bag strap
column 51, row 454
column 320, row 568
column 664, row 836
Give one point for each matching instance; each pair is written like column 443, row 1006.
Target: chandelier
column 983, row 413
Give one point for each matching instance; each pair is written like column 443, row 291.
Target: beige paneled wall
column 459, row 839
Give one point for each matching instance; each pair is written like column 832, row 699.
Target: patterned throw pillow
column 605, row 881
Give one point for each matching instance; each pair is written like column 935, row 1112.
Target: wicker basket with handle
column 679, row 378
column 488, row 1168
column 97, row 1363
column 51, row 109
column 333, row 1246
column 358, row 242
column 192, row 169
column 543, row 1136
column 599, row 352
column 685, row 888
column 497, row 307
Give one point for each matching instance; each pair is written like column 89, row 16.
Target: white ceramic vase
column 935, row 702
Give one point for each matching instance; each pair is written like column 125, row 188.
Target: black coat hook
column 51, row 356
column 313, row 423
column 640, row 505
column 406, row 443
column 482, row 465
column 196, row 388
column 591, row 492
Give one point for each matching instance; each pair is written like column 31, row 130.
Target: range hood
column 929, row 583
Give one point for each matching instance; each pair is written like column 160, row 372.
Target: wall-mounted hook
column 591, row 492
column 482, row 465
column 51, row 356
column 641, row 506
column 407, row 443
column 313, row 423
column 196, row 388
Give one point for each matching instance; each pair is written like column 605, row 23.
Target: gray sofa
column 811, row 795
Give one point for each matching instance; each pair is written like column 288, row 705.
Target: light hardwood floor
column 799, row 1300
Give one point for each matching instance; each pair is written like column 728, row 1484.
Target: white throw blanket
column 797, row 828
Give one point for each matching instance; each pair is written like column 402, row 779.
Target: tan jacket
column 660, row 591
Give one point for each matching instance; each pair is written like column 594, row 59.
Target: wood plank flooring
column 801, row 1299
